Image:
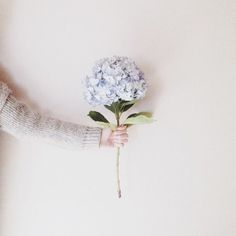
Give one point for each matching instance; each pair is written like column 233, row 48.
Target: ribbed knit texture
column 20, row 121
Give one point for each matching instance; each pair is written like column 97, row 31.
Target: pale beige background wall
column 178, row 175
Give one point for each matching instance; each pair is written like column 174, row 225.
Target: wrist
column 106, row 132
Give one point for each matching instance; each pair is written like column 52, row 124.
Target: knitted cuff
column 92, row 137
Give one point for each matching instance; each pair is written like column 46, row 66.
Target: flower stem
column 118, row 160
column 117, row 172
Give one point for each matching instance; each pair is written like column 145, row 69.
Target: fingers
column 119, row 140
column 119, row 137
column 115, row 138
column 120, row 130
column 121, row 127
column 120, row 134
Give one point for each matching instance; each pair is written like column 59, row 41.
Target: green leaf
column 120, row 106
column 126, row 105
column 106, row 125
column 110, row 108
column 139, row 118
column 129, row 102
column 96, row 116
column 145, row 113
column 114, row 107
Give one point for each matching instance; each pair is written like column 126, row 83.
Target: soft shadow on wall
column 150, row 102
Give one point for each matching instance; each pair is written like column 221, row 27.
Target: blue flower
column 114, row 78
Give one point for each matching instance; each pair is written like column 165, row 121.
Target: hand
column 114, row 138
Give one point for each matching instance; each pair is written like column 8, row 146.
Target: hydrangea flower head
column 112, row 79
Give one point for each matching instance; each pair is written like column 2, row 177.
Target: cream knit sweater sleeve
column 19, row 120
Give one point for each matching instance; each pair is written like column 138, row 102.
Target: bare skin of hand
column 114, row 138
